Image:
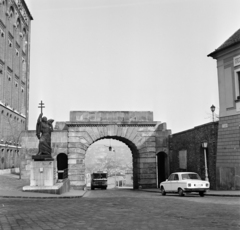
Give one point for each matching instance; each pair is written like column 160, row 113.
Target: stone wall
column 9, row 156
column 228, row 153
column 191, row 141
column 110, row 116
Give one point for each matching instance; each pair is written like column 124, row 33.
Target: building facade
column 228, row 148
column 15, row 30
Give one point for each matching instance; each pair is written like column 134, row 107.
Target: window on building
column 2, row 44
column 237, row 84
column 9, row 43
column 183, row 159
column 238, row 79
column 24, row 70
column 1, row 82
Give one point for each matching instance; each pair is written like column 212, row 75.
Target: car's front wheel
column 180, row 192
column 163, row 191
column 202, row 194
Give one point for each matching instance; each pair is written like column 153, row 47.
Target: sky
column 128, row 55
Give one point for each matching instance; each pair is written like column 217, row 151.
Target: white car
column 184, row 182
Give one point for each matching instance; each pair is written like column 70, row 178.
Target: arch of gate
column 136, row 129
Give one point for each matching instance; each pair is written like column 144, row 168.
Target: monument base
column 43, row 176
column 43, row 173
column 58, row 188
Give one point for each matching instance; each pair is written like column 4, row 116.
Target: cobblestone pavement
column 121, row 209
column 12, row 182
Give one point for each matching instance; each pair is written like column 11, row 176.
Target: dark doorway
column 162, row 166
column 62, row 165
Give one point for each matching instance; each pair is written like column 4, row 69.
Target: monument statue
column 44, row 129
column 43, row 132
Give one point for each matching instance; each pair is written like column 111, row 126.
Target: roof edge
column 26, row 7
column 215, row 52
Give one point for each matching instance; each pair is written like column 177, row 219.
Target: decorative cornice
column 105, row 124
column 22, row 11
column 12, row 110
column 10, row 146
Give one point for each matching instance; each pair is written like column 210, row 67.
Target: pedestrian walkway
column 228, row 193
column 11, row 187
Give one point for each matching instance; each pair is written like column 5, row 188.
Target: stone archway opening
column 136, row 129
column 162, row 167
column 117, row 161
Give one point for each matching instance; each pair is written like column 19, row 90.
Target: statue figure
column 43, row 132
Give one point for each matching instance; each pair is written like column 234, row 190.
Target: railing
column 63, row 174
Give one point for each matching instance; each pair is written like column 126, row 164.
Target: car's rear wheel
column 163, row 191
column 180, row 192
column 92, row 188
column 202, row 194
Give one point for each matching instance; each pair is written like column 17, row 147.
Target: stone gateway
column 145, row 138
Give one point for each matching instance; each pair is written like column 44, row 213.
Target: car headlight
column 189, row 185
column 207, row 185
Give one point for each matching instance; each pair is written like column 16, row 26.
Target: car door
column 175, row 183
column 167, row 184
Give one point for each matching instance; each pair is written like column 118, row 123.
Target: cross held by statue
column 41, row 106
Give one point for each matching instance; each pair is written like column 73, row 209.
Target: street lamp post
column 115, row 165
column 204, row 146
column 111, row 149
column 212, row 109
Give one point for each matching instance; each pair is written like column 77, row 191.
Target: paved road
column 121, row 209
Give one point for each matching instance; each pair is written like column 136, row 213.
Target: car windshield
column 191, row 176
column 99, row 175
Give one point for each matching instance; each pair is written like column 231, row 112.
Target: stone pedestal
column 43, row 177
column 43, row 173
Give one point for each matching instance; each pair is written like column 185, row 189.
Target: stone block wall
column 9, row 156
column 228, row 153
column 109, row 116
column 191, row 141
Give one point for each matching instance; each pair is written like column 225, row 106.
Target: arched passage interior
column 62, row 166
column 162, row 167
column 133, row 150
